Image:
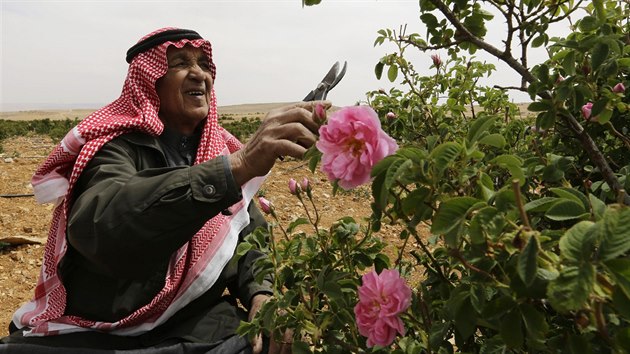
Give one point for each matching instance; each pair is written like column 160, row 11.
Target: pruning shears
column 329, row 81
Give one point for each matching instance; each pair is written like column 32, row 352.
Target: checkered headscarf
column 199, row 262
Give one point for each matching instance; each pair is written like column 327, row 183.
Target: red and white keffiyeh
column 194, row 268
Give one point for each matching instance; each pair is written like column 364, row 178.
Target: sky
column 71, row 54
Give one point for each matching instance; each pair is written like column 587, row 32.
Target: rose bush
column 529, row 245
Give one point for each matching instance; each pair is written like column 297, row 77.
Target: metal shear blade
column 329, row 81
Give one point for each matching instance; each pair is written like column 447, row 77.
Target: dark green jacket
column 130, row 212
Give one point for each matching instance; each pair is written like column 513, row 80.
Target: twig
column 16, row 195
column 519, row 203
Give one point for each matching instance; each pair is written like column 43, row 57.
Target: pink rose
column 619, row 88
column 390, row 115
column 352, row 142
column 437, row 61
column 382, row 298
column 265, row 205
column 586, row 110
column 294, row 188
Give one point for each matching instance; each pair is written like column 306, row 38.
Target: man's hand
column 257, row 343
column 286, row 131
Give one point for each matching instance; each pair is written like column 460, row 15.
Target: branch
column 469, row 37
column 587, row 142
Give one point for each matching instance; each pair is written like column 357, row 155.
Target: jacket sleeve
column 128, row 218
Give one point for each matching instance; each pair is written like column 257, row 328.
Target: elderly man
column 153, row 197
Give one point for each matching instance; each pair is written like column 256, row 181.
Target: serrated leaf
column 395, row 170
column 568, row 63
column 620, row 269
column 478, row 127
column 615, row 238
column 570, row 290
column 496, row 140
column 527, row 262
column 542, row 204
column 512, row 164
column 566, row 209
column 392, row 72
column 535, row 323
column 599, row 54
column 578, row 243
column 451, row 213
column 443, row 155
column 598, row 207
column 572, row 194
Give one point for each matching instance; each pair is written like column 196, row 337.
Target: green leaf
column 542, row 204
column 570, row 290
column 588, row 24
column 299, row 347
column 568, row 63
column 511, row 329
column 535, row 324
column 615, row 233
column 378, row 70
column 620, row 269
column 297, row 222
column 486, row 186
column 443, row 155
column 599, row 54
column 598, row 206
column 395, row 170
column 512, row 164
column 451, row 213
column 572, row 194
column 496, row 140
column 527, row 262
column 566, row 209
column 486, row 220
column 578, row 243
column 392, row 73
column 539, row 106
column 539, row 41
column 478, row 127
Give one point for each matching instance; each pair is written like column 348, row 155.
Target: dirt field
column 22, row 217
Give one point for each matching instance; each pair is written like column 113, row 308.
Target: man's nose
column 196, row 72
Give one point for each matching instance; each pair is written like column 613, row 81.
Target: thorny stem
column 519, row 203
column 455, row 253
column 601, row 321
column 616, row 133
column 436, row 264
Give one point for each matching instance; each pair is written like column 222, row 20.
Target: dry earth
column 23, row 218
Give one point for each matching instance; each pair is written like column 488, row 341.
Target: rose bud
column 320, row 113
column 619, row 88
column 294, row 188
column 437, row 61
column 265, row 205
column 586, row 110
column 391, row 115
column 306, row 184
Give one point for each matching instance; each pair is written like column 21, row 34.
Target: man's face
column 184, row 90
